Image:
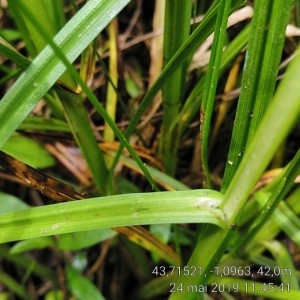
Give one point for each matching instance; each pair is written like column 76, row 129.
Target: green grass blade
column 113, row 211
column 193, row 103
column 273, row 41
column 279, row 119
column 71, row 102
column 84, row 135
column 58, row 51
column 48, row 13
column 168, row 182
column 284, row 218
column 80, row 286
column 176, row 31
column 112, row 96
column 186, row 50
column 288, row 221
column 271, row 198
column 28, row 151
column 262, row 61
column 211, row 85
column 284, row 264
column 11, row 53
column 14, row 286
column 47, row 67
column 44, row 124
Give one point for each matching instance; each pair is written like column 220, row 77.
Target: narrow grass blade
column 262, row 61
column 111, row 97
column 211, row 85
column 161, row 178
column 274, row 31
column 288, row 221
column 11, row 53
column 176, row 31
column 193, row 102
column 44, row 124
column 84, row 135
column 148, row 241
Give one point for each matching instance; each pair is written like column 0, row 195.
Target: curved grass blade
column 59, row 191
column 113, row 211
